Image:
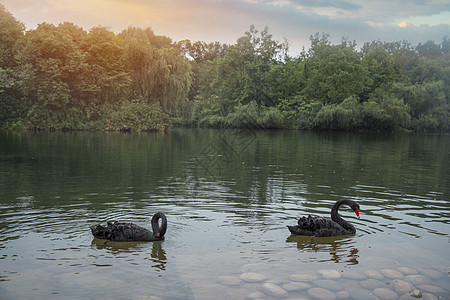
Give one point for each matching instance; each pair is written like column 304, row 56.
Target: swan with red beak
column 320, row 226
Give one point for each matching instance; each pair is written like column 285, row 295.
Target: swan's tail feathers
column 299, row 231
column 101, row 232
column 293, row 229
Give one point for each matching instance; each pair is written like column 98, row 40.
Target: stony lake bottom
column 228, row 196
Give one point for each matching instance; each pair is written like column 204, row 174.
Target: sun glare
column 405, row 24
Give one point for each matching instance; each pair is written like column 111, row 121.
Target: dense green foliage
column 383, row 86
column 62, row 77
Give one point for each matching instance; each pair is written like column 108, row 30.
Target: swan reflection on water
column 157, row 256
column 340, row 248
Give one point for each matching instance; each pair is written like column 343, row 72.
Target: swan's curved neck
column 159, row 231
column 337, row 218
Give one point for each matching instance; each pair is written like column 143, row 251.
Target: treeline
column 63, row 77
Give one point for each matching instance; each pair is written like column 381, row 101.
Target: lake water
column 228, row 196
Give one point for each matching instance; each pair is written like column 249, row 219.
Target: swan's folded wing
column 101, row 232
column 130, row 232
column 317, row 226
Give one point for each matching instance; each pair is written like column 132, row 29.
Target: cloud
column 346, row 5
column 226, row 20
column 405, row 24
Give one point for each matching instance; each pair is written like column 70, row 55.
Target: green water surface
column 228, row 196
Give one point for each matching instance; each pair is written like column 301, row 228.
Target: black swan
column 127, row 232
column 320, row 226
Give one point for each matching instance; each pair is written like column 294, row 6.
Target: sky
column 226, row 20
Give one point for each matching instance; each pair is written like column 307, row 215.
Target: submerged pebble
column 417, row 279
column 353, row 275
column 321, row 293
column 273, row 290
column 252, row 267
column 373, row 274
column 427, row 296
column 407, row 271
column 349, row 284
column 415, row 293
column 276, row 281
column 303, row 277
column 343, row 295
column 385, row 294
column 256, row 295
column 392, row 274
column 402, row 286
column 432, row 273
column 372, row 284
column 229, row 280
column 330, row 274
column 295, row 286
column 252, row 277
column 422, row 296
column 329, row 284
column 432, row 289
column 362, row 294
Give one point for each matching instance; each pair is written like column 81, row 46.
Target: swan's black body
column 127, row 232
column 320, row 226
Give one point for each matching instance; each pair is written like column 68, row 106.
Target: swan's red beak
column 157, row 234
column 357, row 212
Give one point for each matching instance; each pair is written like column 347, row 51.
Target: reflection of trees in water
column 341, row 248
column 158, row 255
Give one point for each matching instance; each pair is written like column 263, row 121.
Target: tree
column 108, row 79
column 200, row 53
column 157, row 75
column 146, row 36
column 334, row 73
column 318, row 43
column 11, row 31
column 445, row 45
column 426, row 70
column 421, row 98
column 429, row 49
column 51, row 72
column 11, row 34
column 381, row 67
column 385, row 112
column 287, row 79
column 242, row 74
column 343, row 116
column 259, row 54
